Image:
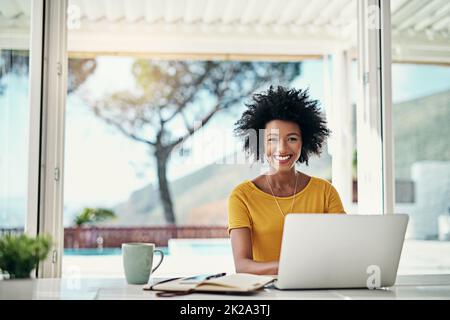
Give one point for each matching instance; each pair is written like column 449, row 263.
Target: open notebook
column 239, row 283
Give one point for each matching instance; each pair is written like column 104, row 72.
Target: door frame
column 374, row 122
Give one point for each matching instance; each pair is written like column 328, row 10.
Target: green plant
column 93, row 215
column 20, row 254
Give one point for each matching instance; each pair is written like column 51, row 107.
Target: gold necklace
column 293, row 199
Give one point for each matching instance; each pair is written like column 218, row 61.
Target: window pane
column 14, row 113
column 421, row 114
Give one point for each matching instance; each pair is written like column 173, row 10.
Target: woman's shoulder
column 321, row 183
column 242, row 188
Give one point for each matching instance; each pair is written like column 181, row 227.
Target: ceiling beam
column 154, row 11
column 209, row 13
column 133, row 10
column 229, row 12
column 113, row 9
column 428, row 21
column 311, row 10
column 428, row 9
column 270, row 12
column 406, row 11
column 248, row 12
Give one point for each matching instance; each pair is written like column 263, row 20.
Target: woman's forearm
column 250, row 266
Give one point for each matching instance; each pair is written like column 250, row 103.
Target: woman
column 293, row 130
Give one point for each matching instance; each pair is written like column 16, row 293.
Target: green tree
column 93, row 215
column 173, row 92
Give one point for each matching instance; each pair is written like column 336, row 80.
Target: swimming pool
column 101, row 251
column 175, row 246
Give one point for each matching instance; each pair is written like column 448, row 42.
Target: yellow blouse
column 250, row 207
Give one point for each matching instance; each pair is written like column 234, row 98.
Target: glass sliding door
column 421, row 114
column 372, row 109
column 28, row 83
column 15, row 21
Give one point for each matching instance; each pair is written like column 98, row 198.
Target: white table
column 407, row 287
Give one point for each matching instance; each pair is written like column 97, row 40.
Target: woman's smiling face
column 282, row 144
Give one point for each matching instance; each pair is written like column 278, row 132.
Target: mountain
column 211, row 184
column 421, row 131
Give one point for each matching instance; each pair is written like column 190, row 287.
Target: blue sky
column 413, row 81
column 102, row 166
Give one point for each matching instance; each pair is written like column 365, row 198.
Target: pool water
column 102, row 251
column 175, row 247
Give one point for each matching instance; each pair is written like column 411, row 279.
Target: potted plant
column 20, row 254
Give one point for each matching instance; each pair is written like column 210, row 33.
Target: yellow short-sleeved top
column 250, row 207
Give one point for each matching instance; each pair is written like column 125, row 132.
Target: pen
column 150, row 287
column 216, row 275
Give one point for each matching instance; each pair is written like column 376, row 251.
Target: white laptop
column 324, row 251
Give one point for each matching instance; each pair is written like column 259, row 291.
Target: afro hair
column 289, row 105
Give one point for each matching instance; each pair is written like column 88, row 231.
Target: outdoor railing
column 10, row 231
column 113, row 237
